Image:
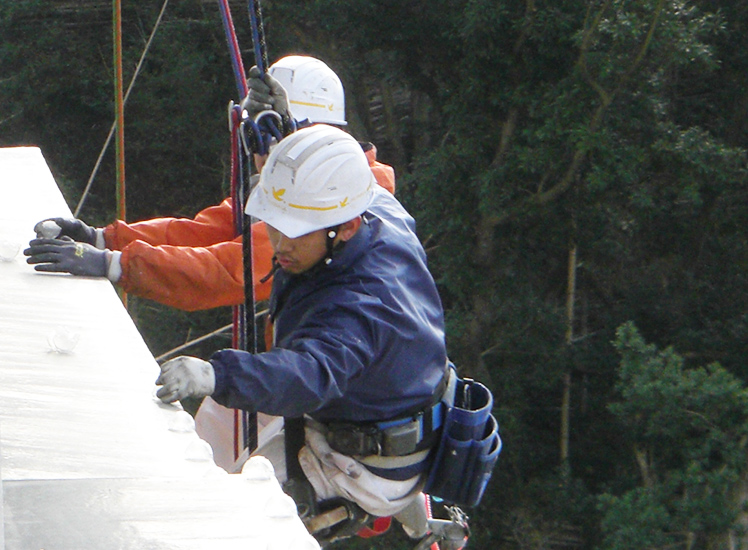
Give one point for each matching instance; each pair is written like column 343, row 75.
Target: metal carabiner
column 262, row 121
column 249, row 133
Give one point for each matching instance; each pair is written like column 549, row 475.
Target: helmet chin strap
column 275, row 267
column 330, row 235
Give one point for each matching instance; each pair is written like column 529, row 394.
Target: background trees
column 538, row 144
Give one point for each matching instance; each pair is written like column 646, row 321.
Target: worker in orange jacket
column 383, row 173
column 194, row 264
column 186, row 263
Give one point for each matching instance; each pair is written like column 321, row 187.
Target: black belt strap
column 297, row 486
column 294, row 441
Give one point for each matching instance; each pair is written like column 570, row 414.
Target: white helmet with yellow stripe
column 315, row 178
column 314, row 90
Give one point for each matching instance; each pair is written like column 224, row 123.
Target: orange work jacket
column 190, row 264
column 383, row 173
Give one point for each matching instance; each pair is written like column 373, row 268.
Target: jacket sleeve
column 212, row 225
column 314, row 368
column 195, row 278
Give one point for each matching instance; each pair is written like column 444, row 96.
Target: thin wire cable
column 203, row 338
column 193, row 342
column 114, row 124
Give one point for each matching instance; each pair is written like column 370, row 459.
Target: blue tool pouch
column 469, row 447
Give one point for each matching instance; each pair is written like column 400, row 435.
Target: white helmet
column 315, row 178
column 314, row 90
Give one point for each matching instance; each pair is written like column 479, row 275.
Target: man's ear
column 349, row 229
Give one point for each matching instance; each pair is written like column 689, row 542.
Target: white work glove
column 185, row 377
column 53, row 228
column 265, row 94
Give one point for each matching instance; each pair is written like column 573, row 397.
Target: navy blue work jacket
column 361, row 339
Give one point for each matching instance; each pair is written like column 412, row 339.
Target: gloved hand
column 52, row 228
column 265, row 94
column 67, row 256
column 185, row 377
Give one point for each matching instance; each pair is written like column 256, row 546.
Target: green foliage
column 636, row 520
column 687, row 430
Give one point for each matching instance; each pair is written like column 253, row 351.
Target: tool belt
column 401, row 436
column 469, row 447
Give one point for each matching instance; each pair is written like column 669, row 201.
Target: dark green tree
column 686, row 430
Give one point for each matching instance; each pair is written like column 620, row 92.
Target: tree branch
column 606, row 98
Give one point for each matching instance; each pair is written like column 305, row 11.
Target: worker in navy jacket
column 358, row 342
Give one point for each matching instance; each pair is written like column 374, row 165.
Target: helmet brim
column 262, row 206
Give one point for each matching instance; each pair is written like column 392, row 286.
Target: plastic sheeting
column 89, row 457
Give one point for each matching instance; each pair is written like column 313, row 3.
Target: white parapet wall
column 89, row 457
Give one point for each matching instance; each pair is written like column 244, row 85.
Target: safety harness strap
column 294, row 441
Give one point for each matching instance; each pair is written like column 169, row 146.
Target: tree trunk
column 566, row 397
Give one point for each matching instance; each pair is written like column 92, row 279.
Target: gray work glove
column 185, row 377
column 52, row 228
column 265, row 95
column 67, row 256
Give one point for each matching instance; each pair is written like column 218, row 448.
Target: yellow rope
column 119, row 111
column 119, row 104
column 127, row 94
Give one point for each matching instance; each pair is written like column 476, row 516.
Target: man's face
column 298, row 255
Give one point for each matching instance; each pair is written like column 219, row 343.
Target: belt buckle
column 354, row 440
column 403, row 439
